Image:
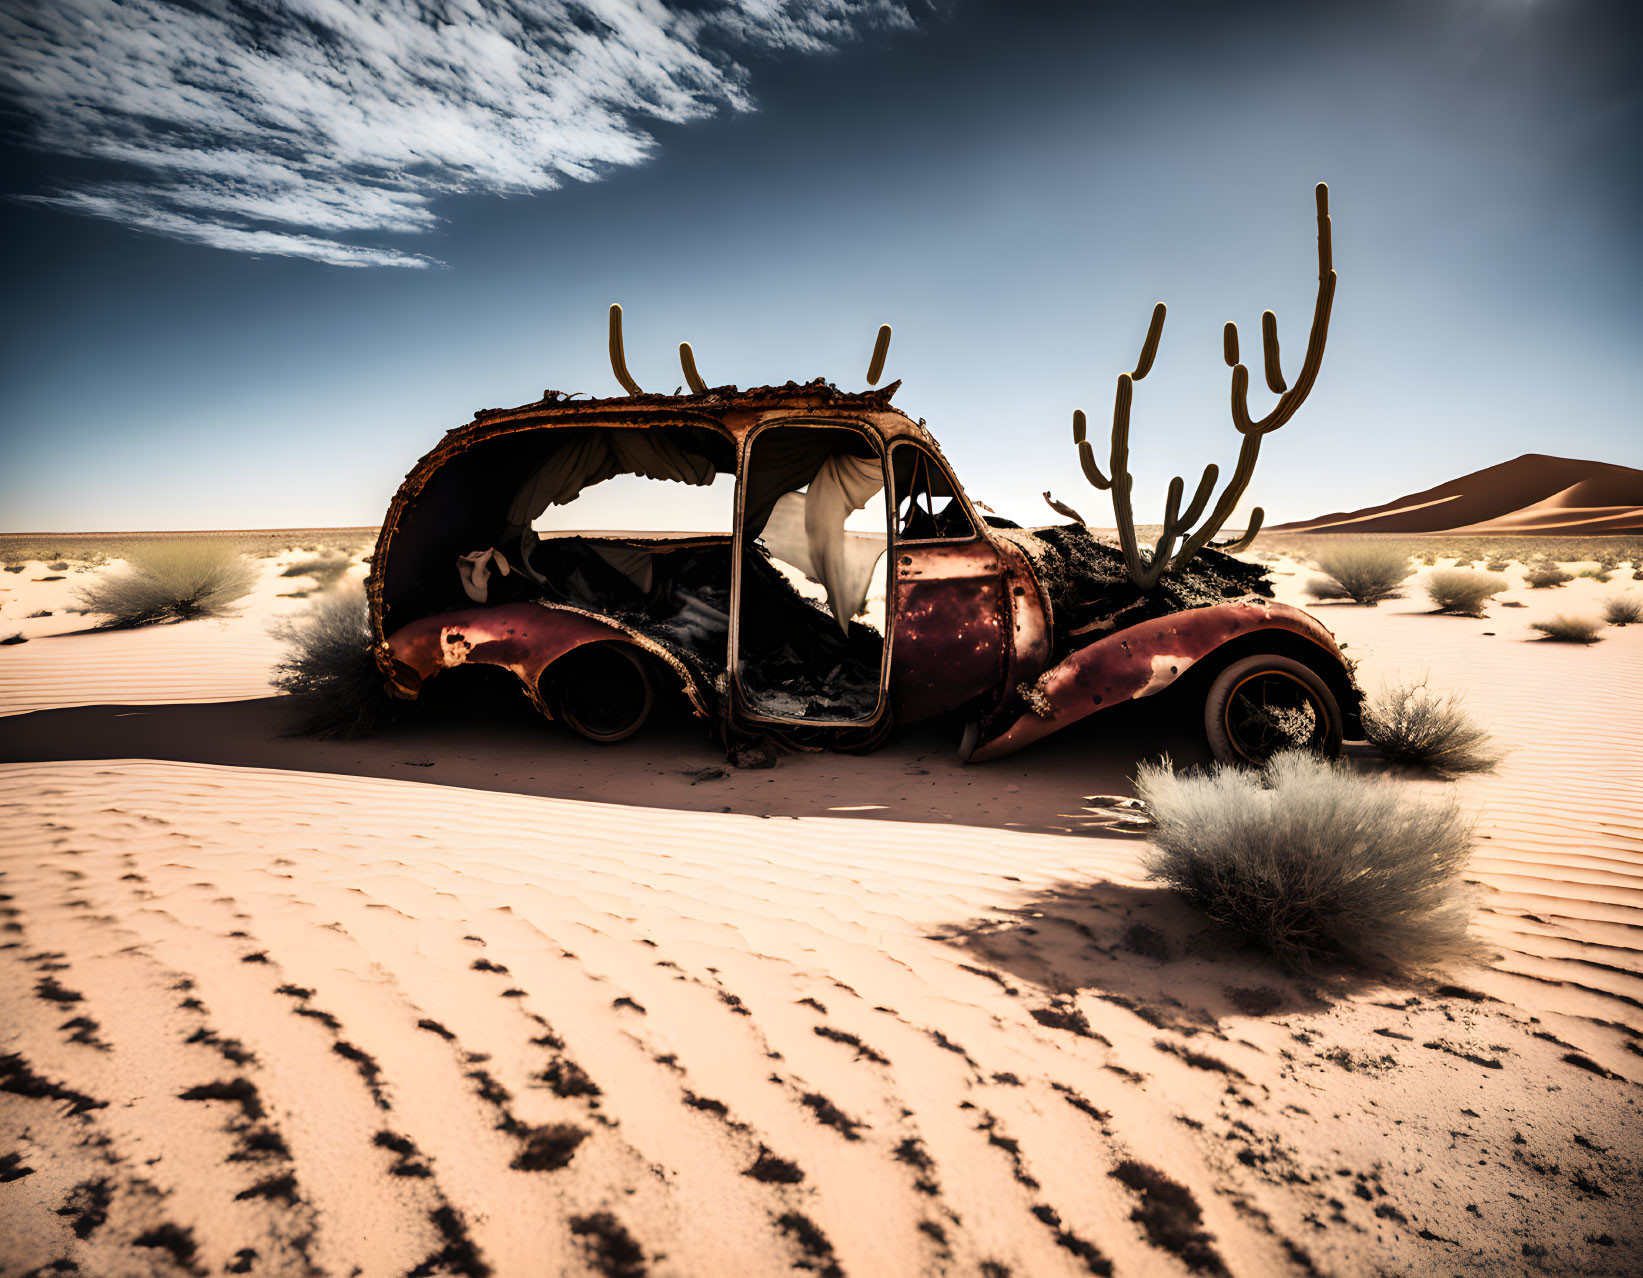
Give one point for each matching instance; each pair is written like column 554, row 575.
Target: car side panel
column 1138, row 662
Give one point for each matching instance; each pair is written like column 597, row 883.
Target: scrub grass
column 168, row 581
column 1413, row 725
column 1313, row 864
column 329, row 660
column 1462, row 591
column 1542, row 576
column 1622, row 610
column 1561, row 629
column 1367, row 571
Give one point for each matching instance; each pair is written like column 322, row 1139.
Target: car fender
column 1138, row 661
column 525, row 638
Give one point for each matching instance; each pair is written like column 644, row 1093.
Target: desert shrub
column 327, row 572
column 171, row 581
column 60, row 566
column 1463, row 591
column 1411, row 724
column 329, row 661
column 1326, row 588
column 1367, row 571
column 1596, row 574
column 1563, row 629
column 1429, row 560
column 1543, row 574
column 1313, row 863
column 1497, row 564
column 1622, row 610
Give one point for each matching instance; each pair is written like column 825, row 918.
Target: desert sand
column 473, row 998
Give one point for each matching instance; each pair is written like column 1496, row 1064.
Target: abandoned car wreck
column 831, row 577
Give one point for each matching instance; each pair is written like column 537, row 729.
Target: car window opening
column 927, row 505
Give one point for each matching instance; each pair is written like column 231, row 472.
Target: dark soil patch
column 1171, row 1217
column 549, row 1148
column 87, row 1207
column 1086, row 1251
column 774, row 1171
column 850, row 1040
column 241, row 1091
column 171, row 1238
column 815, row 1245
column 611, row 1250
column 17, row 1078
column 279, row 1188
column 830, row 1115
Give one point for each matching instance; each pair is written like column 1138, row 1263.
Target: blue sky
column 1011, row 186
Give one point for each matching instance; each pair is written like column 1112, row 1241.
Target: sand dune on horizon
column 1530, row 494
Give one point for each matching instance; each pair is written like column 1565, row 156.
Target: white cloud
column 312, row 128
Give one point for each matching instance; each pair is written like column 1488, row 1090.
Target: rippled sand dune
column 268, row 1021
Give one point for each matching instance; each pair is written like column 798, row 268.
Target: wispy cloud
column 315, row 128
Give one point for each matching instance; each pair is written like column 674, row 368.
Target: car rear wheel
column 602, row 691
column 1265, row 704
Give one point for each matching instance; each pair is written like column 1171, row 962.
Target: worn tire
column 601, row 691
column 1281, row 681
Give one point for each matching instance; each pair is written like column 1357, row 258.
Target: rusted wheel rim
column 1267, row 711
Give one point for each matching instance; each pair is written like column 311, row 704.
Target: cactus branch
column 1149, row 349
column 687, row 359
column 1269, row 353
column 1229, row 344
column 881, row 348
column 618, row 361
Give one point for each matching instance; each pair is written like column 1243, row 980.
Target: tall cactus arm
column 1086, row 454
column 687, row 360
column 881, row 348
column 1269, row 354
column 1149, row 348
column 1291, row 400
column 1242, row 543
column 1248, row 453
column 1206, row 486
column 618, row 360
column 1229, row 344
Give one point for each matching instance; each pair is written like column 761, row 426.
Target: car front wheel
column 1264, row 704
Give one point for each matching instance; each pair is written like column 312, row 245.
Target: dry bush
column 1463, row 591
column 1544, row 574
column 326, row 571
column 1596, row 574
column 330, row 661
column 171, row 581
column 1497, row 563
column 1367, row 571
column 1561, row 629
column 1411, row 724
column 1622, row 610
column 1325, row 588
column 1313, row 863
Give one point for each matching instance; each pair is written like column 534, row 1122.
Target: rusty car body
column 1011, row 633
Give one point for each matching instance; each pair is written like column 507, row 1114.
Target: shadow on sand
column 494, row 741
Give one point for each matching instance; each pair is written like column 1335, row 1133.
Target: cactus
column 1148, row 571
column 881, row 348
column 687, row 359
column 618, row 361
